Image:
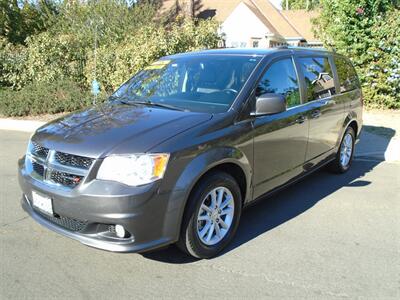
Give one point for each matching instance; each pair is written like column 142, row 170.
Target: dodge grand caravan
column 178, row 150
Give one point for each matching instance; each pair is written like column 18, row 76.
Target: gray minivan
column 179, row 149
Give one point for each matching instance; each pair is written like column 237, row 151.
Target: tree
column 127, row 36
column 300, row 4
column 20, row 19
column 366, row 31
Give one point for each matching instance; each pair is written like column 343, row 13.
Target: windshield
column 195, row 83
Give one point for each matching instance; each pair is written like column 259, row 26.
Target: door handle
column 300, row 119
column 315, row 114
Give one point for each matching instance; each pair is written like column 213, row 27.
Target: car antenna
column 95, row 83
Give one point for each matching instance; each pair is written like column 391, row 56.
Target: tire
column 197, row 219
column 341, row 165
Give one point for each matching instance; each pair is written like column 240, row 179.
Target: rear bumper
column 143, row 211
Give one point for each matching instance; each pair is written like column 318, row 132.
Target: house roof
column 219, row 9
column 276, row 18
column 251, row 5
column 301, row 20
column 287, row 24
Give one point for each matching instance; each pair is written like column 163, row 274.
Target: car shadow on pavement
column 270, row 212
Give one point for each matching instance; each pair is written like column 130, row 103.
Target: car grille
column 65, row 222
column 39, row 151
column 38, row 168
column 66, row 179
column 59, row 168
column 73, row 160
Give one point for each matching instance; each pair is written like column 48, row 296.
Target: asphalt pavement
column 329, row 236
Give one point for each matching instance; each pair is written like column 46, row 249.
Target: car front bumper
column 97, row 206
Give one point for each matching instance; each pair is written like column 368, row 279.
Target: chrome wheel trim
column 215, row 216
column 346, row 150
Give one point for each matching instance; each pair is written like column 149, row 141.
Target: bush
column 12, row 64
column 382, row 76
column 51, row 58
column 52, row 70
column 367, row 32
column 117, row 62
column 42, row 98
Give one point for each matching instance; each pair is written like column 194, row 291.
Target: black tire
column 189, row 240
column 336, row 166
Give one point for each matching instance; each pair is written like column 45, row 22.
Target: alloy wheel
column 215, row 216
column 346, row 150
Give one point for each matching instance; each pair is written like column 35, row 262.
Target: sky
column 276, row 3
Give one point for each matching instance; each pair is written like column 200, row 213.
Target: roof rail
column 306, row 48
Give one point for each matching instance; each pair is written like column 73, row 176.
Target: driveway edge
column 20, row 125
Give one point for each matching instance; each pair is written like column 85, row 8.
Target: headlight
column 133, row 170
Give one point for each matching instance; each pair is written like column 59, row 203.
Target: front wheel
column 212, row 216
column 344, row 156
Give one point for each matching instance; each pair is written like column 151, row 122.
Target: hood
column 115, row 128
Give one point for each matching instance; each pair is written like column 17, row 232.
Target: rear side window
column 281, row 78
column 318, row 77
column 348, row 79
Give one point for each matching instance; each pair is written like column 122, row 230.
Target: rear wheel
column 212, row 216
column 344, row 156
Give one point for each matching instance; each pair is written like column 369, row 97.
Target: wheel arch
column 350, row 120
column 225, row 159
column 230, row 168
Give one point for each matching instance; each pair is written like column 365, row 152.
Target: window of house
column 348, row 79
column 281, row 78
column 318, row 77
column 256, row 44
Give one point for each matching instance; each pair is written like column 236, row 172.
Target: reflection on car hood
column 115, row 128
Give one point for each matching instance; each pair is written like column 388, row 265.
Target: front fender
column 196, row 167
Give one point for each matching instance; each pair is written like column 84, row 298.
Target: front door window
column 281, row 78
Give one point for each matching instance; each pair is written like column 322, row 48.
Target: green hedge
column 366, row 31
column 128, row 38
column 52, row 70
column 117, row 62
column 43, row 98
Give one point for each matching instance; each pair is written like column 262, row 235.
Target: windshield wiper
column 150, row 103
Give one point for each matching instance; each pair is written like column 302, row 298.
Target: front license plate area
column 43, row 203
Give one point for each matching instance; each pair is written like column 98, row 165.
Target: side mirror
column 267, row 104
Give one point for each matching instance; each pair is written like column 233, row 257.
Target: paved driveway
column 329, row 236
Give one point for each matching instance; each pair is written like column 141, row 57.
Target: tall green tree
column 21, row 19
column 300, row 4
column 366, row 31
column 102, row 39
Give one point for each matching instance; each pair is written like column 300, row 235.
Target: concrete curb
column 20, row 125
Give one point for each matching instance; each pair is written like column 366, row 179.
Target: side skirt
column 290, row 182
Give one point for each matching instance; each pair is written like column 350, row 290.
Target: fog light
column 120, row 231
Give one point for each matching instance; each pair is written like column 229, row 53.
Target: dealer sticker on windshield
column 157, row 65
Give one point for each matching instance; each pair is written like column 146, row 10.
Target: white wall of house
column 242, row 27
